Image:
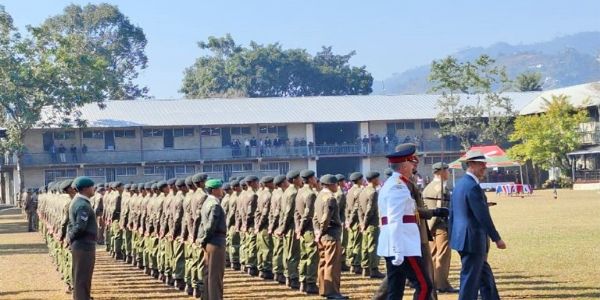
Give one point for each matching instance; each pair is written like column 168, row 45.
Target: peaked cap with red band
column 404, row 152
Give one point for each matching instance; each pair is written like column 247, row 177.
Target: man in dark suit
column 470, row 227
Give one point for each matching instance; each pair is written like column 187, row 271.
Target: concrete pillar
column 365, row 165
column 312, row 164
column 365, row 161
column 310, row 133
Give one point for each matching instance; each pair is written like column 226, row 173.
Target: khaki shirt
column 432, row 195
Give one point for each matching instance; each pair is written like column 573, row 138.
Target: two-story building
column 141, row 140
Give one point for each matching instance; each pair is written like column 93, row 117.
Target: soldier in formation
column 294, row 228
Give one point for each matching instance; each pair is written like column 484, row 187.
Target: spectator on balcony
column 386, row 144
column 365, row 144
column 253, row 146
column 62, row 152
column 53, row 153
column 261, row 147
column 73, row 151
column 247, row 146
column 84, row 149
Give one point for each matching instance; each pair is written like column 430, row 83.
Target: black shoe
column 293, row 283
column 356, row 270
column 366, row 272
column 266, row 275
column 155, row 273
column 180, row 284
column 140, row 265
column 129, row 259
column 170, row 281
column 312, row 289
column 189, row 290
column 337, row 296
column 198, row 291
column 253, row 271
column 147, row 271
column 345, row 268
column 376, row 274
column 236, row 266
column 227, row 264
column 449, row 290
column 280, row 278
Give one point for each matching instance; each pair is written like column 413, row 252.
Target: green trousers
column 160, row 255
column 251, row 249
column 309, row 258
column 264, row 258
column 153, row 252
column 116, row 238
column 370, row 260
column 178, row 261
column 354, row 245
column 66, row 264
column 108, row 237
column 344, row 245
column 191, row 267
column 278, row 243
column 234, row 246
column 291, row 255
column 243, row 248
column 127, row 238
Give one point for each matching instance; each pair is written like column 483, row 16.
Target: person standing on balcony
column 73, row 151
column 52, row 151
column 62, row 153
column 247, row 146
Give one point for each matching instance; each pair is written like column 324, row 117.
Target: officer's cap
column 438, row 166
column 65, row 184
column 180, row 182
column 214, row 183
column 82, row 182
column 372, row 175
column 340, row 177
column 251, row 178
column 279, row 179
column 404, row 152
column 266, row 179
column 292, row 174
column 356, row 176
column 161, row 184
column 328, row 179
column 307, row 174
column 199, row 177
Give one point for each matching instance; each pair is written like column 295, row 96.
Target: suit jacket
column 470, row 220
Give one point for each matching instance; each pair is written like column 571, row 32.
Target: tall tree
column 545, row 139
column 84, row 55
column 529, row 82
column 471, row 106
column 271, row 71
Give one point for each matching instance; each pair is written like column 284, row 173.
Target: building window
column 280, row 131
column 409, row 125
column 64, row 135
column 241, row 167
column 125, row 133
column 152, row 132
column 281, row 167
column 430, row 125
column 94, row 172
column 160, row 170
column 93, row 134
column 240, row 130
column 184, row 131
column 215, row 131
column 59, row 174
column 126, row 171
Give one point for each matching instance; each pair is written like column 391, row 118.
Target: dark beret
column 279, row 179
column 199, row 177
column 307, row 173
column 372, row 175
column 82, row 182
column 356, row 176
column 328, row 179
column 340, row 177
column 234, row 183
column 226, row 186
column 251, row 178
column 161, row 184
column 180, row 182
column 292, row 174
column 65, row 184
column 148, row 185
column 266, row 179
column 172, row 181
column 127, row 186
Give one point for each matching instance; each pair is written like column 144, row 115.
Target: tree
column 545, row 139
column 471, row 106
column 85, row 55
column 529, row 82
column 271, row 71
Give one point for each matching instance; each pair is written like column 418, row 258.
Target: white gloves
column 398, row 260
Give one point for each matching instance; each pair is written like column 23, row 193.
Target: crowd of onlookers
column 59, row 154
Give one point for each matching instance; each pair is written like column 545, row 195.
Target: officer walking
column 82, row 238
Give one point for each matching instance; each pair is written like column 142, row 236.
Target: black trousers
column 412, row 269
column 82, row 270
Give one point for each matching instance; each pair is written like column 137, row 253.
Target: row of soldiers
column 272, row 227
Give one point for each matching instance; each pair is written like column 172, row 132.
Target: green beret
column 234, row 183
column 279, row 179
column 82, row 182
column 148, row 185
column 328, row 179
column 438, row 166
column 226, row 186
column 356, row 176
column 180, row 182
column 292, row 174
column 188, row 181
column 372, row 175
column 116, row 184
column 340, row 177
column 154, row 186
column 243, row 182
column 172, row 181
column 307, row 174
column 251, row 178
column 199, row 177
column 127, row 186
column 214, row 184
column 65, row 184
column 134, row 187
column 266, row 179
column 161, row 184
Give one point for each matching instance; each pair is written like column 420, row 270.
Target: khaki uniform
column 440, row 250
column 368, row 215
column 264, row 241
column 176, row 220
column 211, row 237
column 278, row 241
column 340, row 198
column 232, row 230
column 250, row 202
column 291, row 249
column 309, row 260
column 328, row 227
column 353, row 253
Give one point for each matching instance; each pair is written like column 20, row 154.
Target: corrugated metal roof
column 581, row 95
column 185, row 112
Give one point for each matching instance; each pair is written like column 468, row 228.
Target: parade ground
column 552, row 253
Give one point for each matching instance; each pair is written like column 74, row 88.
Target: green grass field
column 553, row 253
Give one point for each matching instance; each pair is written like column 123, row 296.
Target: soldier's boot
column 198, row 291
column 280, row 278
column 312, row 289
column 267, row 275
column 227, row 264
column 293, row 283
column 170, row 280
column 180, row 284
column 135, row 263
column 155, row 273
column 252, row 271
column 189, row 290
column 162, row 277
column 366, row 272
column 147, row 271
column 356, row 270
column 345, row 268
column 129, row 259
column 236, row 266
column 118, row 256
column 140, row 265
column 376, row 274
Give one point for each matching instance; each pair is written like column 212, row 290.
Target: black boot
column 189, row 290
column 280, row 278
column 253, row 271
column 293, row 283
column 170, row 281
column 312, row 289
column 376, row 274
column 236, row 266
column 266, row 275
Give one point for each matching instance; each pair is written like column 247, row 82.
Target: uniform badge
column 84, row 216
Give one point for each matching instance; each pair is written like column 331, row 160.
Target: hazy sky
column 389, row 36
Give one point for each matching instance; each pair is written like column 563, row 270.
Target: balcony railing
column 587, row 176
column 223, row 153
